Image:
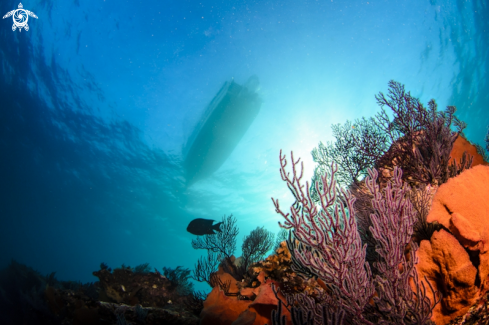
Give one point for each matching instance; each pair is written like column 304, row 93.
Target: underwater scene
column 306, row 162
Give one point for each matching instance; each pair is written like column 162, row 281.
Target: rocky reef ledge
column 119, row 297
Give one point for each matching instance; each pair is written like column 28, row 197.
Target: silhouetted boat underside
column 223, row 124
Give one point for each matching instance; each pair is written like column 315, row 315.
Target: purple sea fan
column 326, row 244
column 329, row 245
column 392, row 227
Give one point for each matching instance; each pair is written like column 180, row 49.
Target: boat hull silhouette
column 221, row 128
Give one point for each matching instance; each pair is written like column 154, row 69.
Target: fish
column 201, row 227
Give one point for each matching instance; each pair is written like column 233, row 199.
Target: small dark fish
column 201, row 227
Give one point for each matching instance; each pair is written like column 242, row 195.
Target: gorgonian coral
column 420, row 139
column 326, row 244
column 417, row 139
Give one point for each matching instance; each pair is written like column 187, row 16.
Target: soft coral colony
column 326, row 244
column 360, row 240
column 385, row 233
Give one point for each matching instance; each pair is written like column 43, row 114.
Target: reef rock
column 27, row 297
column 457, row 262
column 477, row 314
column 461, row 145
column 251, row 301
column 223, row 309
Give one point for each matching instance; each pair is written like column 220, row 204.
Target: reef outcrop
column 122, row 296
column 456, row 262
column 462, row 145
column 251, row 301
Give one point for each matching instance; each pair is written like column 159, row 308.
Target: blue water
column 98, row 98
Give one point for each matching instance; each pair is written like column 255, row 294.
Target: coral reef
column 222, row 245
column 150, row 289
column 357, row 147
column 327, row 245
column 462, row 145
column 391, row 219
column 22, row 296
column 477, row 314
column 356, row 252
column 418, row 139
column 27, row 297
column 404, row 243
column 252, row 300
column 456, row 260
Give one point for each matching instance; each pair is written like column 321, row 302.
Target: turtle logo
column 20, row 17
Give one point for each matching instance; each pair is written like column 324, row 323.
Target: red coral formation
column 251, row 302
column 227, row 310
column 457, row 263
column 477, row 314
column 448, row 267
column 461, row 145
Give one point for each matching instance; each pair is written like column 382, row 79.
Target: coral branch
column 329, row 246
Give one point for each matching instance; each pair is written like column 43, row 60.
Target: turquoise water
column 98, row 99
